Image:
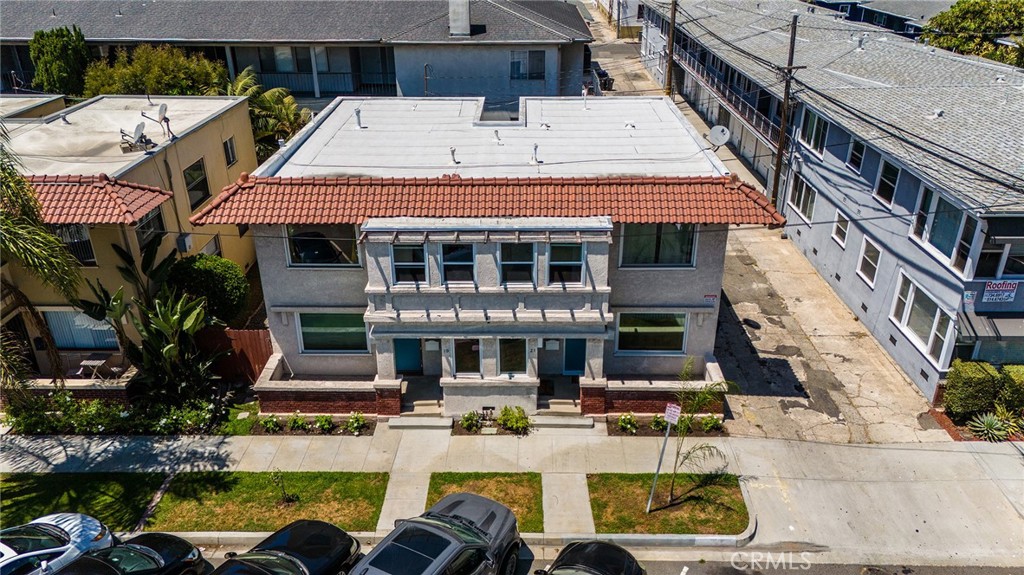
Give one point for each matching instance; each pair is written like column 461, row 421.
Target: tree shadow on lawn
column 701, row 491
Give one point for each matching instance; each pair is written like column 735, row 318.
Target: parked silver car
column 463, row 534
column 46, row 544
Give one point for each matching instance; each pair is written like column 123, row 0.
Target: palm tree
column 26, row 239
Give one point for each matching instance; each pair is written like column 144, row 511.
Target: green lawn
column 234, row 426
column 704, row 504
column 116, row 499
column 218, row 501
column 520, row 492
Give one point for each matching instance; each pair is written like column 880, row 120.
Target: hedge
column 221, row 281
column 971, row 388
column 1012, row 394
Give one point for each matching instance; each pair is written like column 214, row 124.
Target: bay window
column 921, row 318
column 657, row 245
column 945, row 227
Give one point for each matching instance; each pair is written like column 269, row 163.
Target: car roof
column 374, row 564
column 88, row 565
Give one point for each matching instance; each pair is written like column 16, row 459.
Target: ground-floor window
column 512, row 356
column 918, row 314
column 467, row 356
column 332, row 332
column 75, row 330
column 652, row 332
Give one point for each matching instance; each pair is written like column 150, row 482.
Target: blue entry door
column 575, row 357
column 408, row 357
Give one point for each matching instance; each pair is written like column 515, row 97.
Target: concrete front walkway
column 950, row 503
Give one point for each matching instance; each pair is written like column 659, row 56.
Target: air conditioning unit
column 184, row 243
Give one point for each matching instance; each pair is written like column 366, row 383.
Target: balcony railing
column 736, row 104
column 331, row 83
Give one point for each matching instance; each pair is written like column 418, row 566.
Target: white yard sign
column 672, row 412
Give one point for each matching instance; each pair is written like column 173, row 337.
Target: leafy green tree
column 60, row 57
column 221, row 281
column 973, row 26
column 154, row 70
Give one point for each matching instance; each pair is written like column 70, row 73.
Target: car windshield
column 127, row 559
column 411, row 552
column 464, row 532
column 276, row 564
column 29, row 538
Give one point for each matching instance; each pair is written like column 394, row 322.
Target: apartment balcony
column 331, row 83
column 731, row 99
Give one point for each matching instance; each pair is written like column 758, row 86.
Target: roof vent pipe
column 454, row 161
column 860, row 43
column 585, row 98
column 458, row 17
column 534, row 160
column 359, row 119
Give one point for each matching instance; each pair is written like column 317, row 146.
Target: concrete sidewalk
column 923, row 503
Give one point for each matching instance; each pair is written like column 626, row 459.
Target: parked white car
column 46, row 544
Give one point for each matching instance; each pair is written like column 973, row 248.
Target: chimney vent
column 458, row 17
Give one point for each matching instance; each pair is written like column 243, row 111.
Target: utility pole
column 783, row 124
column 672, row 48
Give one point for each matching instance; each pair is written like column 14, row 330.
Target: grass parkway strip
column 520, row 492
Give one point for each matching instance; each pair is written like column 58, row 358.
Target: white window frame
column 880, row 19
column 292, row 264
column 824, row 135
column 849, row 155
column 690, row 266
column 526, row 355
column 846, row 228
column 901, row 322
column 845, row 9
column 533, row 263
column 479, row 358
column 471, row 264
column 651, row 353
column 583, row 264
column 924, row 240
column 206, row 182
column 806, row 186
column 860, row 261
column 297, row 318
column 80, row 229
column 426, row 266
column 878, row 181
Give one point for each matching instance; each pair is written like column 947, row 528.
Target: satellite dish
column 161, row 113
column 719, row 136
column 137, row 134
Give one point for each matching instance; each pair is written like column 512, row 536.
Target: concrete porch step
column 566, row 421
column 411, row 421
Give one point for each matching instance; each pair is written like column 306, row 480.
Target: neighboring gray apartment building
column 500, row 49
column 411, row 250
column 904, row 177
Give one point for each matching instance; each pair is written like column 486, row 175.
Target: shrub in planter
column 628, row 423
column 659, row 423
column 323, row 423
column 710, row 424
column 971, row 388
column 514, row 419
column 297, row 423
column 471, row 421
column 988, row 427
column 1012, row 394
column 270, row 424
column 221, row 281
column 356, row 423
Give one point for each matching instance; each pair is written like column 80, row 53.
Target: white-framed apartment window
column 408, row 263
column 512, row 354
column 813, row 131
column 885, row 185
column 230, row 157
column 332, row 333
column 196, row 184
column 920, row 317
column 880, row 19
column 803, row 197
column 845, row 9
column 651, row 333
column 841, row 229
column 77, row 240
column 945, row 227
column 527, row 65
column 1001, row 260
column 855, row 160
column 457, row 263
column 518, row 263
column 466, row 356
column 658, row 245
column 867, row 268
column 330, row 245
column 150, row 226
column 565, row 264
column 73, row 330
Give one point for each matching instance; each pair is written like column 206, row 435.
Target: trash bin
column 607, row 83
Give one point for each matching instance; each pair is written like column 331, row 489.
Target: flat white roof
column 90, row 142
column 403, row 137
column 14, row 104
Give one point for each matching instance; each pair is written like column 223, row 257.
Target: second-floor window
column 803, row 197
column 230, row 157
column 813, row 131
column 1001, row 260
column 841, row 228
column 657, row 245
column 888, row 177
column 409, row 262
column 867, row 269
column 517, row 264
column 856, row 159
column 565, row 264
column 457, row 263
column 323, row 245
column 76, row 239
column 918, row 314
column 196, row 184
column 945, row 227
column 527, row 65
column 150, row 226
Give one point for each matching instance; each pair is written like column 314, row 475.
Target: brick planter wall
column 592, row 400
column 389, row 401
column 326, row 401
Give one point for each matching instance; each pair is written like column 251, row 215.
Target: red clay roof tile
column 94, row 199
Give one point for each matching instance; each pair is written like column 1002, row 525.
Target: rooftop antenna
column 137, row 140
column 454, row 161
column 148, row 99
column 53, row 12
column 167, row 122
column 545, row 125
column 718, row 136
column 630, row 125
column 585, row 98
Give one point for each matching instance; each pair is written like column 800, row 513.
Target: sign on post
column 672, row 413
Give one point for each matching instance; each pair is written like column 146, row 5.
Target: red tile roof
column 707, row 200
column 94, row 199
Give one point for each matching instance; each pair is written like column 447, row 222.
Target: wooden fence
column 245, row 351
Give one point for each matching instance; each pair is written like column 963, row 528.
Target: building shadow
column 742, row 363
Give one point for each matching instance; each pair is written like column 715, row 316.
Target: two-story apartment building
column 99, row 186
column 411, row 250
column 500, row 49
column 905, row 17
column 903, row 181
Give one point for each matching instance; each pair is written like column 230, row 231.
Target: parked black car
column 593, row 558
column 304, row 547
column 463, row 534
column 146, row 554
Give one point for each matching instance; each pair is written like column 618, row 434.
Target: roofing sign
column 1000, row 291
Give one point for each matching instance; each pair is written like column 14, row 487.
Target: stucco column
column 385, row 355
column 316, row 78
column 230, row 62
column 595, row 359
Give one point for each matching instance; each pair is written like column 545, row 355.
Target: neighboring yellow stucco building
column 100, row 185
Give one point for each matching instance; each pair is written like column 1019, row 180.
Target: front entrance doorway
column 575, row 358
column 408, row 357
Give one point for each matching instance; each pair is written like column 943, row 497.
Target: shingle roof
column 94, row 199
column 919, row 10
column 295, row 21
column 275, row 200
column 891, row 78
